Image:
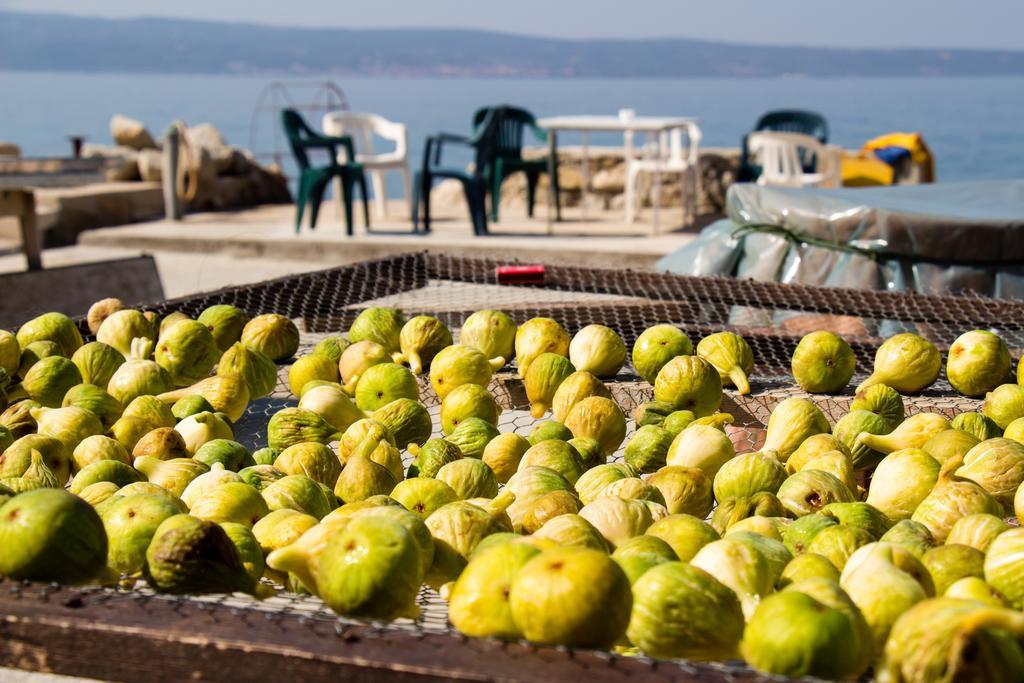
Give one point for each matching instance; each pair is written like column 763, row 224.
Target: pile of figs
column 883, row 543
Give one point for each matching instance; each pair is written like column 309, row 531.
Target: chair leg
column 631, row 198
column 422, row 185
column 316, row 196
column 407, row 187
column 531, row 191
column 300, row 202
column 476, row 199
column 347, row 183
column 380, row 198
column 496, row 180
column 361, row 179
column 557, row 191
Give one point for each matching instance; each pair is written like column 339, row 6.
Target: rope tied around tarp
column 875, row 254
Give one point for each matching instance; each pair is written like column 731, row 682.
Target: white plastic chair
column 779, row 155
column 363, row 128
column 678, row 160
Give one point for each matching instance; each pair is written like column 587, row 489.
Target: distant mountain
column 64, row 42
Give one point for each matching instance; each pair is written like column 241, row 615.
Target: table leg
column 657, row 196
column 552, row 170
column 627, row 157
column 22, row 204
column 584, row 175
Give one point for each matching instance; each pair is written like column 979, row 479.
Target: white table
column 651, row 126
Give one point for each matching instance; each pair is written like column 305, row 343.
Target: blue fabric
column 892, row 155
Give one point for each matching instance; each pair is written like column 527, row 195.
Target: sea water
column 973, row 125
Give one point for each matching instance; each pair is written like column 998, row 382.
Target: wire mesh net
column 772, row 317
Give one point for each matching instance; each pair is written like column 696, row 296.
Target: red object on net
column 520, row 275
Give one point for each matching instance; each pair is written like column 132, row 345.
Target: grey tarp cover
column 941, row 238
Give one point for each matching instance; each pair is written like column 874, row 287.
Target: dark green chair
column 508, row 158
column 785, row 121
column 313, row 180
column 484, row 143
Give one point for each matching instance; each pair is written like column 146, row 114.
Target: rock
column 9, row 150
column 611, row 180
column 151, row 165
column 122, row 162
column 205, row 135
column 128, row 132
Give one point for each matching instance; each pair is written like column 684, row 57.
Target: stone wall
column 607, row 175
column 229, row 176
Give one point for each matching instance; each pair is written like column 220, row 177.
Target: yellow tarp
column 865, row 169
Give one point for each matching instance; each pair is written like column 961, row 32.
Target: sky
column 994, row 24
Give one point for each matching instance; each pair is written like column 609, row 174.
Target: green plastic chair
column 483, row 142
column 313, row 180
column 784, row 121
column 508, row 155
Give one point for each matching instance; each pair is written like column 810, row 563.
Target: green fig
column 310, row 368
column 977, row 530
column 383, row 383
column 275, row 336
column 55, row 327
column 469, row 478
column 435, row 454
column 130, row 524
column 949, row 443
column 479, row 602
column 557, row 455
column 979, row 426
column 51, row 535
column 139, row 376
column 1004, row 565
column 299, row 492
column 791, row 422
column 357, row 359
column 546, row 372
column 537, row 336
column 192, row 556
column 573, row 389
column 808, row 566
column 689, row 383
column 421, row 339
column 113, row 471
column 810, row 490
column 407, row 420
column 457, row 528
column 653, row 413
column 901, row 481
column 792, row 634
column 362, row 478
column 1003, row 405
column 748, row 474
column 423, row 496
column 225, row 323
column 47, row 382
column 951, row 498
column 648, row 448
column 682, row 611
column 597, row 349
column 122, row 327
column 731, row 355
column 251, row 366
column 503, row 454
column 472, row 436
column 997, row 465
column 914, row 432
column 493, row 333
column 949, row 563
column 294, row 425
column 913, row 536
column 571, row 596
column 35, row 352
column 458, row 365
column 313, row 459
column 641, row 553
column 380, row 325
column 978, row 362
column 187, row 351
column 548, row 429
column 656, row 346
column 952, row 640
column 466, row 401
column 849, row 429
column 823, row 363
column 686, row 490
column 703, row 447
column 906, row 362
column 882, row 400
column 599, row 418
